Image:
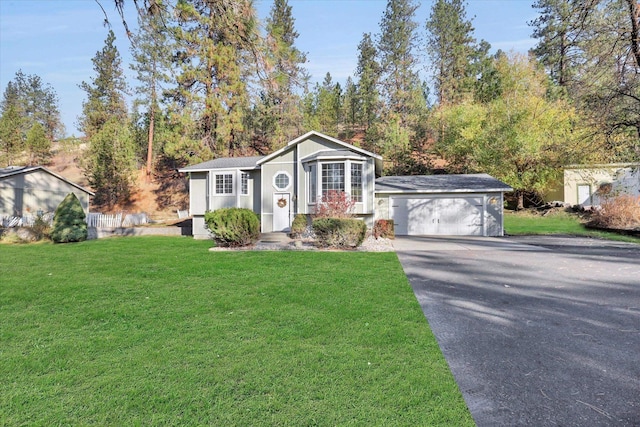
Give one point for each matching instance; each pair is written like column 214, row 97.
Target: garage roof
column 468, row 183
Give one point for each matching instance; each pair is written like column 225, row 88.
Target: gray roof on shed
column 225, row 163
column 469, row 183
column 17, row 170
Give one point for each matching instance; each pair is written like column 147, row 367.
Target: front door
column 281, row 210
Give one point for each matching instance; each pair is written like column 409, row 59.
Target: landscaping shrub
column 384, row 228
column 339, row 232
column 41, row 228
column 298, row 226
column 233, row 226
column 69, row 221
column 621, row 212
column 335, row 204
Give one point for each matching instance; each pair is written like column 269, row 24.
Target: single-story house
column 32, row 189
column 587, row 185
column 291, row 180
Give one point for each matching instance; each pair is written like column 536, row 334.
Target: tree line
column 213, row 80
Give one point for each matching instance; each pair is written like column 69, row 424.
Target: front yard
column 160, row 331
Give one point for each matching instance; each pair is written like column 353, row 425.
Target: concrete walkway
column 538, row 331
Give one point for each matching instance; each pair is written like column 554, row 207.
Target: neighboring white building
column 586, row 185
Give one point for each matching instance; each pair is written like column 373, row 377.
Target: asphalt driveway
column 538, row 331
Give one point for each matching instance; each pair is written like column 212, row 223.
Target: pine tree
column 12, row 140
column 106, row 92
column 285, row 75
column 38, row 145
column 368, row 73
column 217, row 42
column 151, row 51
column 34, row 102
column 451, row 48
column 110, row 160
column 405, row 106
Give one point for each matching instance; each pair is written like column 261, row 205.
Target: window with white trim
column 224, row 183
column 356, row 182
column 332, row 177
column 244, row 183
column 281, row 181
column 313, row 183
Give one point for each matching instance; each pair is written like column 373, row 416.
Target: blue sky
column 57, row 39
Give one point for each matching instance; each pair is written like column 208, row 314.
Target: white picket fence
column 24, row 221
column 93, row 219
column 99, row 220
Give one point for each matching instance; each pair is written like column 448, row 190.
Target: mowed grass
column 525, row 223
column 160, row 331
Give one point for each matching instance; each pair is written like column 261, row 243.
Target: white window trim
column 215, row 185
column 243, row 174
column 273, row 180
column 347, row 180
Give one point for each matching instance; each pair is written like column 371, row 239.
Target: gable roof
column 468, row 183
column 18, row 170
column 307, row 135
column 224, row 163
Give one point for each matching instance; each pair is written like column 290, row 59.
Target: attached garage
column 442, row 205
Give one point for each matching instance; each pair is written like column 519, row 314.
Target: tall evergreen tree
column 34, row 102
column 217, row 44
column 368, row 74
column 106, row 91
column 12, row 138
column 557, row 30
column 452, row 50
column 398, row 39
column 405, row 106
column 37, row 144
column 285, row 74
column 151, row 50
column 110, row 159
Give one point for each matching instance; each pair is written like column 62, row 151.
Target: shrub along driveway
column 537, row 330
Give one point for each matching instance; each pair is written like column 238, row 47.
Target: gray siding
column 35, row 191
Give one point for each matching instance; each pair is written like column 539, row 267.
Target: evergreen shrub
column 339, row 232
column 298, row 226
column 69, row 221
column 233, row 227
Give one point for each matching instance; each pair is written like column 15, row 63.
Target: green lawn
column 524, row 223
column 160, row 331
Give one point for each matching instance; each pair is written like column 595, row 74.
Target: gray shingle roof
column 225, row 163
column 440, row 184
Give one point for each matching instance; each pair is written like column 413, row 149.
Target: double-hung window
column 224, row 183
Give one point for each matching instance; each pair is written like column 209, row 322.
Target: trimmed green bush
column 233, row 226
column 339, row 232
column 69, row 221
column 299, row 225
column 384, row 228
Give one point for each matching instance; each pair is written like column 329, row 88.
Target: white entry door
column 584, row 194
column 281, row 210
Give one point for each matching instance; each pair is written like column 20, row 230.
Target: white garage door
column 444, row 216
